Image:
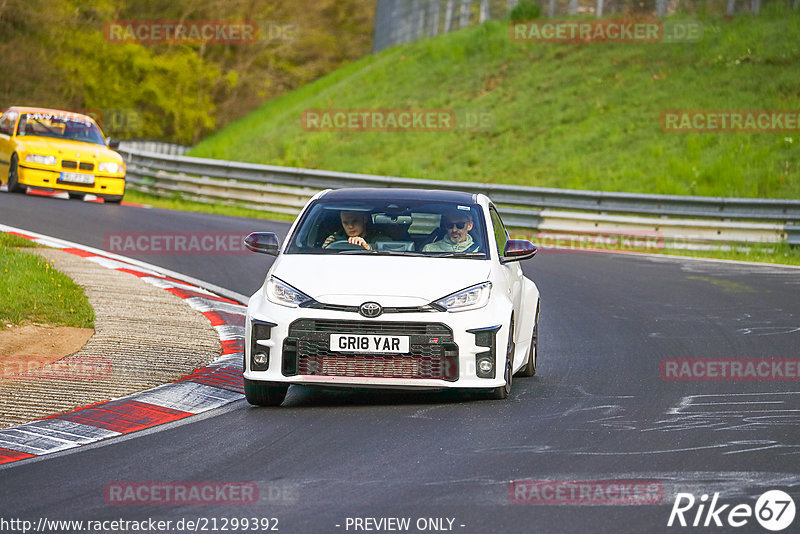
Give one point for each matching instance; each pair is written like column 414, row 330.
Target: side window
column 7, row 122
column 500, row 232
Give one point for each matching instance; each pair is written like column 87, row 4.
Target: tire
column 530, row 367
column 264, row 393
column 76, row 196
column 115, row 200
column 13, row 176
column 502, row 392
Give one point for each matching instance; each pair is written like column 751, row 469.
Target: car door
column 7, row 121
column 512, row 271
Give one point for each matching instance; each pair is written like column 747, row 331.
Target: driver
column 354, row 229
column 457, row 225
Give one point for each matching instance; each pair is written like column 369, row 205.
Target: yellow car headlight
column 109, row 167
column 40, row 158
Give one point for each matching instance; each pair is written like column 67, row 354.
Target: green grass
column 15, row 241
column 32, row 291
column 780, row 253
column 578, row 115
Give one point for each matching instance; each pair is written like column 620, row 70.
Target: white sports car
column 392, row 288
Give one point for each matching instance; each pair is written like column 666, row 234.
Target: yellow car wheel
column 13, row 177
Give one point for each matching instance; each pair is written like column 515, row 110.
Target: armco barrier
column 682, row 221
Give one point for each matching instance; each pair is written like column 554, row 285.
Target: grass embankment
column 579, row 116
column 576, row 115
column 773, row 253
column 32, row 291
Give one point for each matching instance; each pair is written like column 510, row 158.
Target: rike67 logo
column 774, row 510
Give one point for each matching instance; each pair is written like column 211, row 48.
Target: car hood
column 388, row 280
column 64, row 148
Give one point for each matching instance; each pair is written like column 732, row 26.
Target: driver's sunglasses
column 460, row 225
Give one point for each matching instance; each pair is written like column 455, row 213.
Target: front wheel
column 502, row 392
column 264, row 393
column 530, row 367
column 13, row 176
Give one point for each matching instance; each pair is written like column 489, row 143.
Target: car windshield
column 391, row 227
column 73, row 128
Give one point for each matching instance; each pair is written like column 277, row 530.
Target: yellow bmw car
column 55, row 150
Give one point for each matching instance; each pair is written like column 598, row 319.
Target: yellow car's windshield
column 73, row 128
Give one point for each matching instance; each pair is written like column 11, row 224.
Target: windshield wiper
column 458, row 255
column 386, row 252
column 400, row 253
column 356, row 251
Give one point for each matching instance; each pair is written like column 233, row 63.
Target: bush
column 526, row 10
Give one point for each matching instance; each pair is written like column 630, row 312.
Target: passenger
column 354, row 230
column 457, row 239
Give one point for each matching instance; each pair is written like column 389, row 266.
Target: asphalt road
column 598, row 409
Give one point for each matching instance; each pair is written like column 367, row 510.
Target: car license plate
column 77, row 178
column 369, row 343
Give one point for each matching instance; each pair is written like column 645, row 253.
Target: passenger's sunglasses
column 460, row 225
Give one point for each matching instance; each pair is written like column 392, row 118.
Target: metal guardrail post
column 793, row 234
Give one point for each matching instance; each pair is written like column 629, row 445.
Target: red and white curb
column 209, row 387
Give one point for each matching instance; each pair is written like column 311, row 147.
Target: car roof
column 28, row 109
column 387, row 193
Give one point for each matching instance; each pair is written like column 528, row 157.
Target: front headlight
column 470, row 298
column 109, row 167
column 279, row 292
column 39, row 158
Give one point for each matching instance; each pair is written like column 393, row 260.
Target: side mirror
column 262, row 242
column 112, row 143
column 518, row 250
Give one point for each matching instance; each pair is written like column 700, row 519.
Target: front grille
column 432, row 353
column 68, row 164
column 355, row 309
column 377, row 366
column 370, row 327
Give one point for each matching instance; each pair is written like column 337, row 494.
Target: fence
column 404, row 21
column 680, row 222
column 155, row 146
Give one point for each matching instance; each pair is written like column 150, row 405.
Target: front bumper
column 444, row 347
column 48, row 180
